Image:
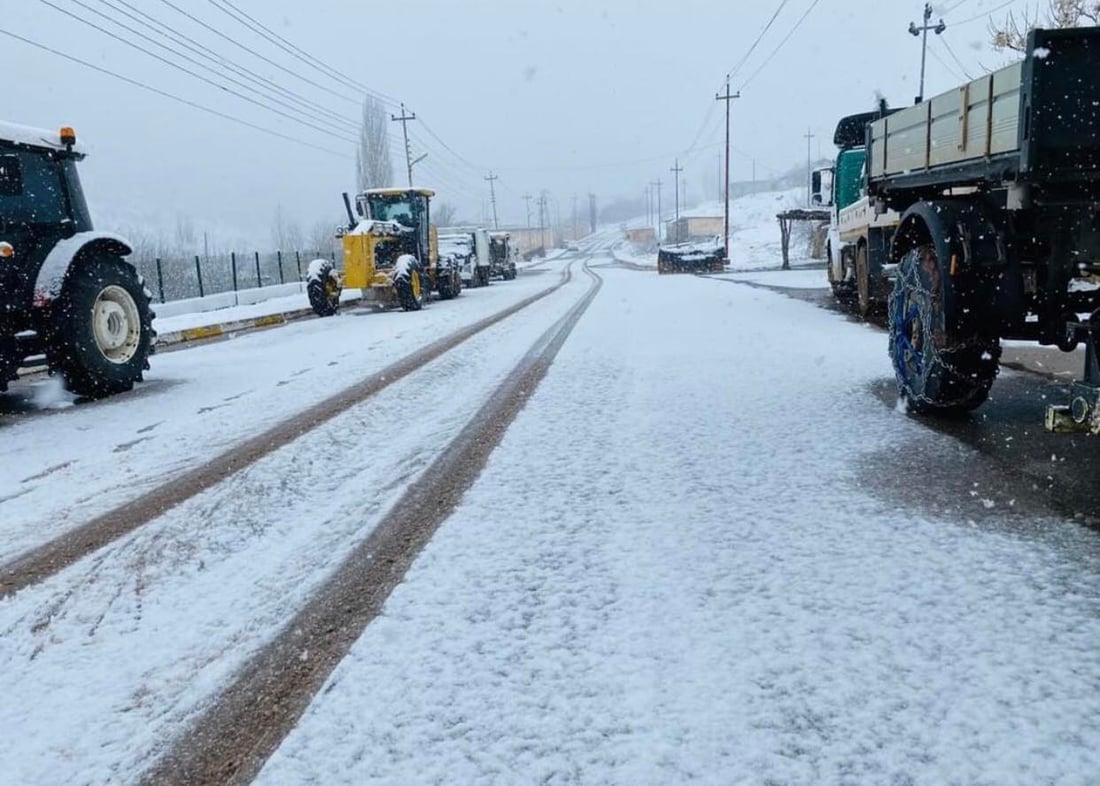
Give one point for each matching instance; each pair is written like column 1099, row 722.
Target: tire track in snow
column 59, row 553
column 231, row 740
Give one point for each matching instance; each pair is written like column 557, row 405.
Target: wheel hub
column 116, row 324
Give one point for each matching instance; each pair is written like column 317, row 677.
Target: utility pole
column 542, row 221
column 493, row 198
column 657, row 183
column 809, row 168
column 527, row 204
column 573, row 232
column 648, row 205
column 404, row 121
column 592, row 211
column 728, row 98
column 922, row 31
column 676, row 170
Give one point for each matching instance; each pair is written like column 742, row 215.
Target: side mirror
column 341, row 231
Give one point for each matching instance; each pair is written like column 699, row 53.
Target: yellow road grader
column 390, row 253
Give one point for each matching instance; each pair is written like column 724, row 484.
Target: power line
column 984, row 14
column 955, row 57
column 298, row 52
column 733, row 71
column 152, row 23
column 786, row 38
column 171, row 96
column 256, row 54
column 187, row 58
column 191, row 73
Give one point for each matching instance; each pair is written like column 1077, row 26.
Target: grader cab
column 389, row 253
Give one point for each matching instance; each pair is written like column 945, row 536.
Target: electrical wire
column 200, row 77
column 256, row 54
column 319, row 65
column 733, row 71
column 786, row 38
column 171, row 96
column 150, row 22
column 344, row 126
column 955, row 57
column 984, row 14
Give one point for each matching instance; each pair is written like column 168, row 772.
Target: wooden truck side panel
column 952, row 128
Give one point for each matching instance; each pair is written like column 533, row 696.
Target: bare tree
column 444, row 214
column 373, row 167
column 1011, row 34
column 321, row 237
column 186, row 237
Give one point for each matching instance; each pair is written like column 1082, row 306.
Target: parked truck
column 502, row 261
column 983, row 206
column 69, row 298
column 476, row 259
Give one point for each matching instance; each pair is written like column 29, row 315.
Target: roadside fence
column 179, row 277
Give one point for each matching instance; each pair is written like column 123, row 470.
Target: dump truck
column 501, row 260
column 69, row 297
column 996, row 189
column 474, row 242
column 389, row 253
column 701, row 256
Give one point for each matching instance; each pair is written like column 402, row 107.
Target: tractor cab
column 67, row 292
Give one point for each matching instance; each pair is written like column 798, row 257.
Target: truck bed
column 1036, row 120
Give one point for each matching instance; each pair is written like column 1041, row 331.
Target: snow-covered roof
column 399, row 191
column 379, row 228
column 35, row 137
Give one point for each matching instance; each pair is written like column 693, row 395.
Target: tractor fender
column 60, row 260
column 963, row 233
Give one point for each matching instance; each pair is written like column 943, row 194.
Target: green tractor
column 69, row 298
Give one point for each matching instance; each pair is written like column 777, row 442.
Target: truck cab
column 859, row 233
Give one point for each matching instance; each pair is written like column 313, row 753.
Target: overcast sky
column 570, row 96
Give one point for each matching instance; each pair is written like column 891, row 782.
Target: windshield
column 403, row 210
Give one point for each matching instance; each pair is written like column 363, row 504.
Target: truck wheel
column 842, row 288
column 942, row 366
column 323, row 288
column 457, row 284
column 101, row 330
column 865, row 287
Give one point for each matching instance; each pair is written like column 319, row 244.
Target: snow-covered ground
column 107, row 660
column 692, row 579
column 813, row 278
column 754, row 232
column 73, row 463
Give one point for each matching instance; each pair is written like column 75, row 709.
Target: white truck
column 471, row 245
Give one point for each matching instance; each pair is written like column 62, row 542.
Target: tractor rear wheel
column 101, row 328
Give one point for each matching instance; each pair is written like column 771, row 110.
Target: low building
column 688, row 228
column 641, row 236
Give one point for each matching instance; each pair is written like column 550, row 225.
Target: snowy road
column 74, row 463
column 686, row 560
column 689, row 582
